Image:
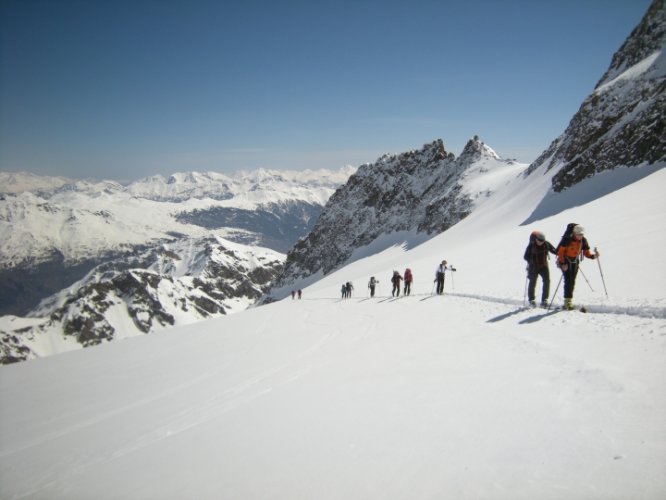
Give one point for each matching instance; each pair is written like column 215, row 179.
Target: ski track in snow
column 638, row 311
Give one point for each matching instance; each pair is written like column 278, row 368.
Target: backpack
column 568, row 234
column 408, row 275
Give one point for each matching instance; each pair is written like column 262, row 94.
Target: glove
column 564, row 266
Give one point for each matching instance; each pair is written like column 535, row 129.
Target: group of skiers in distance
column 396, row 279
column 573, row 248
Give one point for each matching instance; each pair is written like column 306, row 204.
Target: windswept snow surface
column 463, row 396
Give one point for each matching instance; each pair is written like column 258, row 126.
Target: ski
column 582, row 309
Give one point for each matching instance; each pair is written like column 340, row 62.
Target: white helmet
column 578, row 229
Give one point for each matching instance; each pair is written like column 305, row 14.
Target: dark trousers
column 570, row 280
column 532, row 277
column 408, row 287
column 372, row 290
column 440, row 285
column 396, row 289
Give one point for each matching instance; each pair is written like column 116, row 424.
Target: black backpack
column 568, row 234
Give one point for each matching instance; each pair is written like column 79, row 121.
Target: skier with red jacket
column 408, row 281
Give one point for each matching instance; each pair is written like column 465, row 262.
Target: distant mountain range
column 53, row 231
column 83, row 262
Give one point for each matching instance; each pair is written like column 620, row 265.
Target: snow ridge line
column 636, row 311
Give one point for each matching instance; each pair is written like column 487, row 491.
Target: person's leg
column 531, row 285
column 545, row 289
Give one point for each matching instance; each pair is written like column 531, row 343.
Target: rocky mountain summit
column 425, row 191
column 623, row 122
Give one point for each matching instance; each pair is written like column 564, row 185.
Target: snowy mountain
column 622, row 123
column 174, row 284
column 423, row 192
column 109, row 261
column 467, row 395
column 117, row 216
column 55, row 231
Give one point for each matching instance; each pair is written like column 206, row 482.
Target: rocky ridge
column 426, row 191
column 622, row 123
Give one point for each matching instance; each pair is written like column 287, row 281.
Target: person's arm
column 586, row 250
column 560, row 258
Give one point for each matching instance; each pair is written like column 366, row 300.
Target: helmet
column 538, row 235
column 578, row 229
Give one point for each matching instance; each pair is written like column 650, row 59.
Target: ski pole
column 556, row 289
column 586, row 280
column 527, row 278
column 453, row 285
column 600, row 271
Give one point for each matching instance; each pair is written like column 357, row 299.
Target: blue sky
column 120, row 89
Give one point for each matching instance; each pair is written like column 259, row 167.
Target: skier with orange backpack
column 570, row 252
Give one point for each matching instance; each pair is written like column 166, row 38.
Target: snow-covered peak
column 476, row 149
column 248, row 188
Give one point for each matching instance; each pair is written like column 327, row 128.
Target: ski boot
column 568, row 304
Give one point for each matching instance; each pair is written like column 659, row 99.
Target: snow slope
column 464, row 396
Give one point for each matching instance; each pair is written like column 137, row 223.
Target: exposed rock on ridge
column 622, row 123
